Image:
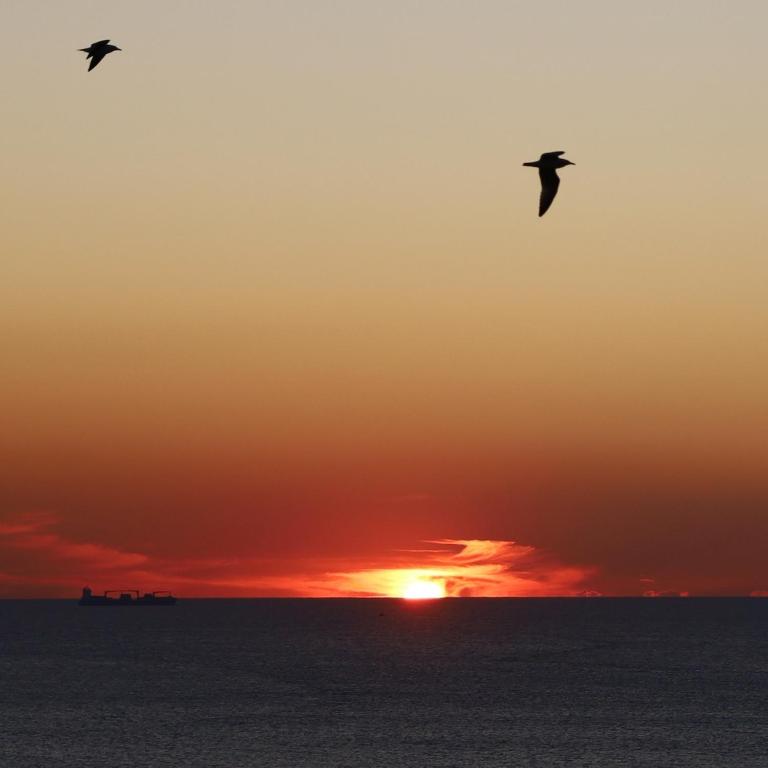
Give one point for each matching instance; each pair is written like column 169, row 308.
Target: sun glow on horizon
column 423, row 589
column 458, row 568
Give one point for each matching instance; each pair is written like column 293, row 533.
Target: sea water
column 472, row 682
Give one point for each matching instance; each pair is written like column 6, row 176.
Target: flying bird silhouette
column 97, row 51
column 548, row 164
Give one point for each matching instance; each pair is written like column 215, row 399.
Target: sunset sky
column 279, row 317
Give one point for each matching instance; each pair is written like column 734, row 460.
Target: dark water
column 386, row 683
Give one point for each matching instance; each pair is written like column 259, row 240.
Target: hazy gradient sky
column 276, row 305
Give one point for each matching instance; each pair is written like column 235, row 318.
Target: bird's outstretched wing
column 550, row 181
column 551, row 154
column 100, row 42
column 97, row 57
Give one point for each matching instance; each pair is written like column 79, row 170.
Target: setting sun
column 422, row 589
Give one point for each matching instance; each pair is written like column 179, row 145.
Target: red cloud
column 44, row 557
column 463, row 567
column 27, row 523
column 94, row 554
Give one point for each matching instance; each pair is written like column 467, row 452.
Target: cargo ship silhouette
column 126, row 597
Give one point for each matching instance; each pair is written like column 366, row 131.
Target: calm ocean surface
column 220, row 683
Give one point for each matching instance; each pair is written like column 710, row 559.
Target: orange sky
column 277, row 309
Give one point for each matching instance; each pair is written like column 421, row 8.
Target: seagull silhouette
column 97, row 51
column 548, row 164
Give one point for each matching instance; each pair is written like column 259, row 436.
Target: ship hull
column 112, row 603
column 122, row 598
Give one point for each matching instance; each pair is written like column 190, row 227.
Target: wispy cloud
column 40, row 555
column 96, row 555
column 27, row 523
column 464, row 568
